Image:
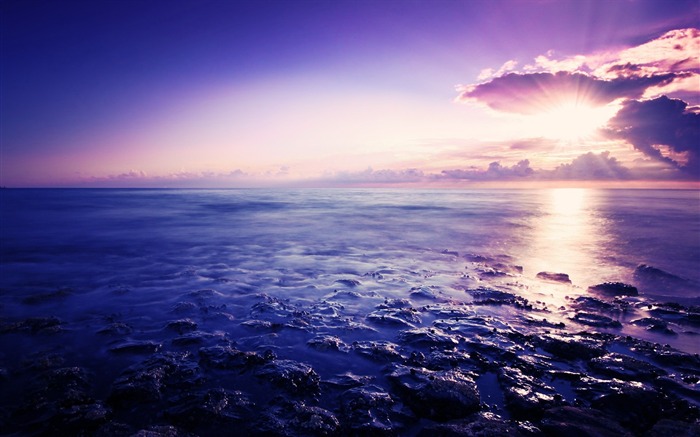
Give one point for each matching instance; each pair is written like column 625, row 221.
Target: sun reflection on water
column 567, row 238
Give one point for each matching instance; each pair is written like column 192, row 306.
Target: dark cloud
column 590, row 166
column 534, row 92
column 663, row 129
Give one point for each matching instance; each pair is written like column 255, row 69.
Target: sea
column 99, row 277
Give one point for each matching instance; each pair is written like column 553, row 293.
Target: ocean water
column 240, row 264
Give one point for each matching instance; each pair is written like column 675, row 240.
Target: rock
column 395, row 316
column 625, row 367
column 136, row 347
column 349, row 282
column 675, row 428
column 437, row 395
column 328, row 343
column 527, row 397
column 295, row 378
column 162, row 431
column 145, row 382
column 182, row 326
column 654, row 324
column 596, row 320
column 225, row 357
column 207, row 412
column 34, row 325
column 571, row 346
column 116, row 330
column 429, row 337
column 614, row 289
column 478, row 425
column 578, row 421
column 367, row 411
column 485, row 296
column 554, row 277
column 381, row 351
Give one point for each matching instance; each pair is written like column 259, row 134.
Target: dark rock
column 162, row 431
column 423, row 293
column 395, row 303
column 575, row 421
column 367, row 411
column 295, row 378
column 146, row 381
column 209, row 411
column 328, row 343
column 588, row 303
column 485, row 296
column 313, row 421
column 675, row 428
column 437, row 395
column 34, row 325
column 381, row 351
column 572, row 347
column 596, row 320
column 478, row 425
column 182, row 326
column 399, row 316
column 637, row 410
column 136, row 347
column 116, row 329
column 527, row 397
column 658, row 279
column 654, row 324
column 614, row 289
column 429, row 337
column 225, row 357
column 625, row 367
column 349, row 282
column 554, row 277
column 36, row 299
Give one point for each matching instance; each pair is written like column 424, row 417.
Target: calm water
column 85, row 239
column 135, row 253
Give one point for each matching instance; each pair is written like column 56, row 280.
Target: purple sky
column 327, row 93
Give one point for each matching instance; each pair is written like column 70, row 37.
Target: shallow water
column 244, row 264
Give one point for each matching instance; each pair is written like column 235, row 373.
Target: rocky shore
column 391, row 351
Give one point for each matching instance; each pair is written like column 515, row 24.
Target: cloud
column 535, row 92
column 663, row 129
column 590, row 166
column 494, row 172
column 370, row 176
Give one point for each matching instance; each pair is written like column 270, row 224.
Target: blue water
column 100, row 279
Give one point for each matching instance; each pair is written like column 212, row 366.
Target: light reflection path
column 568, row 237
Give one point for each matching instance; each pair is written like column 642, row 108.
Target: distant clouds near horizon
column 308, row 93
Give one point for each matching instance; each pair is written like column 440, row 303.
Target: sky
column 452, row 93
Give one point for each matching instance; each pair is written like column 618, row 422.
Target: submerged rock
column 182, row 326
column 554, row 277
column 578, row 421
column 136, row 347
column 437, row 395
column 226, row 357
column 381, row 351
column 328, row 342
column 33, row 325
column 596, row 320
column 208, row 412
column 614, row 289
column 295, row 378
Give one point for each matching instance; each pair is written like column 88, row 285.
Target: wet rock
column 328, row 343
column 33, row 325
column 295, row 378
column 625, row 367
column 36, row 299
column 185, row 308
column 162, row 431
column 677, row 313
column 423, row 293
column 380, row 351
column 658, row 279
column 638, row 410
column 478, row 425
column 676, row 428
column 346, row 381
column 654, row 324
column 597, row 320
column 116, row 330
column 395, row 303
column 485, row 296
column 191, row 339
column 208, row 412
column 614, row 289
column 429, row 337
column 43, row 361
column 576, row 421
column 554, row 277
column 136, row 347
column 367, row 411
column 226, row 357
column 399, row 317
column 281, row 312
column 146, row 381
column 588, row 303
column 182, row 326
column 437, row 395
column 572, row 346
column 314, row 421
column 526, row 396
column 349, row 282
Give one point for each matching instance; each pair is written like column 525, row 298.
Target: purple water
column 141, row 258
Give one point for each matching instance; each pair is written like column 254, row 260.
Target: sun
column 571, row 121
